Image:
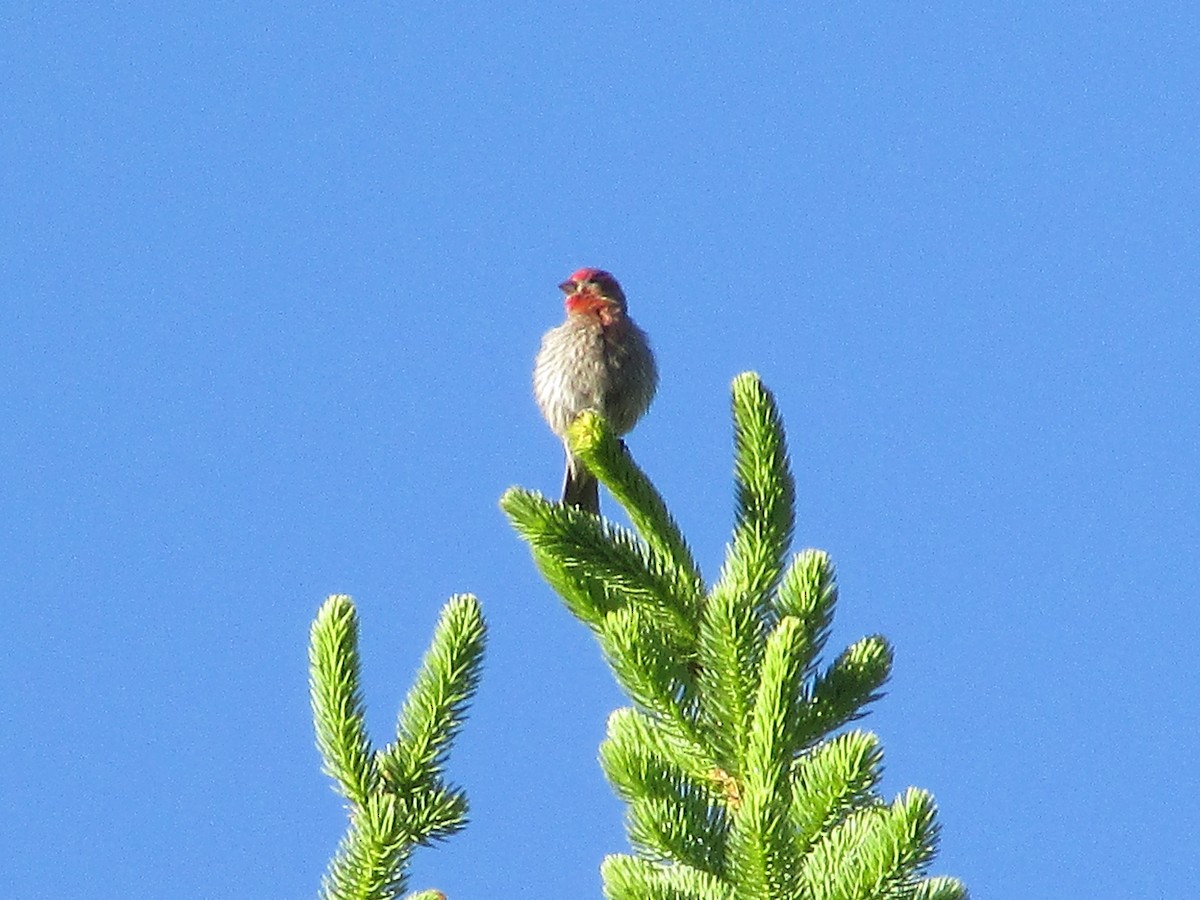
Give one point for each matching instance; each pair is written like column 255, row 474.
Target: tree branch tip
column 588, row 432
column 513, row 498
column 747, row 379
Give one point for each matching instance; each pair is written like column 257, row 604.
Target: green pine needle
column 808, row 592
column 597, row 567
column 729, row 654
column 854, row 680
column 765, row 493
column 371, row 861
column 630, row 878
column 940, row 888
column 607, row 458
column 880, row 851
column 336, row 693
column 398, row 800
column 833, row 780
column 685, row 829
column 432, row 814
column 643, row 759
column 645, row 660
column 764, row 854
column 434, row 709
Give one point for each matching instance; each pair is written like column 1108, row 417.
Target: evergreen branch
column 831, row 781
column 773, row 739
column 765, row 494
column 908, row 836
column 853, row 681
column 877, row 853
column 808, row 591
column 598, row 568
column 336, row 695
column 607, row 458
column 435, row 707
column 763, row 857
column 397, row 798
column 535, row 518
column 642, row 759
column 432, row 814
column 370, row 862
column 630, row 878
column 684, row 829
column 940, row 888
column 646, row 662
column 729, row 653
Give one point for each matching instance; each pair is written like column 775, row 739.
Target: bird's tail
column 580, row 487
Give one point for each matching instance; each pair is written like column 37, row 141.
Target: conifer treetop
column 740, row 778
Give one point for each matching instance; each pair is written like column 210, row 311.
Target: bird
column 597, row 359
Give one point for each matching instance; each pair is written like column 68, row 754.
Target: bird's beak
column 568, row 287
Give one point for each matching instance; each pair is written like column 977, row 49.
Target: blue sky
column 273, row 278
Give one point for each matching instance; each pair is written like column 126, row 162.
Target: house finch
column 597, row 359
